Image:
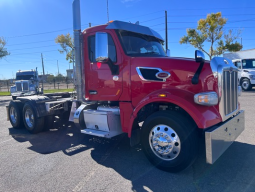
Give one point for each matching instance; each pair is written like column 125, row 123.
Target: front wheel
column 246, row 84
column 170, row 141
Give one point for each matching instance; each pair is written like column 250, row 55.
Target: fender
column 204, row 116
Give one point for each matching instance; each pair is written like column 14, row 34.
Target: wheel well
column 243, row 78
column 151, row 108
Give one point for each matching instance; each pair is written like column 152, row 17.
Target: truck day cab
column 26, row 83
column 245, row 62
column 126, row 84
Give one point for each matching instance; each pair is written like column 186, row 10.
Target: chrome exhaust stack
column 77, row 51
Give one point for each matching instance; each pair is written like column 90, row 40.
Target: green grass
column 57, row 90
column 6, row 93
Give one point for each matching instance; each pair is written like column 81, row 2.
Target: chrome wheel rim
column 13, row 115
column 29, row 117
column 164, row 142
column 245, row 84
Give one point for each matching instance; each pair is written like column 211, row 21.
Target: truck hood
column 181, row 72
column 251, row 70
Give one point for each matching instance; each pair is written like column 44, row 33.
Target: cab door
column 102, row 84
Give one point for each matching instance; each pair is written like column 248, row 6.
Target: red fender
column 204, row 116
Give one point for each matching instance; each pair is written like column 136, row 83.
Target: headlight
column 252, row 76
column 206, row 98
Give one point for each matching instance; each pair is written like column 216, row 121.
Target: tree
column 59, row 77
column 50, row 78
column 66, row 43
column 211, row 30
column 3, row 50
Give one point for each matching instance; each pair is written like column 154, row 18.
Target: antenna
column 107, row 11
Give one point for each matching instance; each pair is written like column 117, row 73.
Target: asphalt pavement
column 63, row 159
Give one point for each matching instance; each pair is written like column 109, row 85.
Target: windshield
column 24, row 77
column 135, row 44
column 248, row 63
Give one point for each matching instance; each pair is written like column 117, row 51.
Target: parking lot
column 65, row 160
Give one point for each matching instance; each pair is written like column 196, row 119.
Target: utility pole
column 89, row 24
column 58, row 67
column 43, row 70
column 107, row 11
column 166, row 30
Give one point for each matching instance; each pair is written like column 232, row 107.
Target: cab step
column 99, row 133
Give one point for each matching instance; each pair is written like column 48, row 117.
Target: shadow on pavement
column 234, row 171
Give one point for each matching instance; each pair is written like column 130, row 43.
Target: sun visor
column 134, row 28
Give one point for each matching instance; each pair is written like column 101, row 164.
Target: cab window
column 92, row 49
column 238, row 64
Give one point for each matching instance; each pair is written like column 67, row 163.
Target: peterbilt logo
column 163, row 75
column 231, row 69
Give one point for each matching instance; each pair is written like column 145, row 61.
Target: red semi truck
column 126, row 83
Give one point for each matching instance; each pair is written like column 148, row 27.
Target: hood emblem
column 163, row 75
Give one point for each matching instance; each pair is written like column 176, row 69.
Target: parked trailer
column 125, row 83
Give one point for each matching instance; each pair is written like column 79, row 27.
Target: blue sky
column 30, row 26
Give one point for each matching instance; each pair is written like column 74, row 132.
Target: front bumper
column 252, row 81
column 20, row 94
column 218, row 139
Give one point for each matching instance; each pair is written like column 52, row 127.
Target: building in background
column 43, row 77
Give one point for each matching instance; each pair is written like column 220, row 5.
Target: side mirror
column 101, row 46
column 168, row 52
column 199, row 56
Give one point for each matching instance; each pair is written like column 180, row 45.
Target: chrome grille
column 18, row 87
column 230, row 89
column 25, row 86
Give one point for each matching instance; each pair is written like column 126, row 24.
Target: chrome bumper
column 218, row 139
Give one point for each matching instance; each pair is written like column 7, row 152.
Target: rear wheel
column 32, row 123
column 246, row 84
column 15, row 114
column 170, row 141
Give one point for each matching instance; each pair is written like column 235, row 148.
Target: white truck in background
column 26, row 83
column 245, row 61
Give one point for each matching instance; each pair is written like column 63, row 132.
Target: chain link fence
column 54, row 83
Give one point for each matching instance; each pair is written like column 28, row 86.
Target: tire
column 246, row 84
column 32, row 123
column 14, row 97
column 15, row 114
column 48, row 122
column 174, row 136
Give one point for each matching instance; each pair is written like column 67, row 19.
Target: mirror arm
column 114, row 68
column 195, row 78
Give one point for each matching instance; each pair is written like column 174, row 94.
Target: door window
column 92, row 49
